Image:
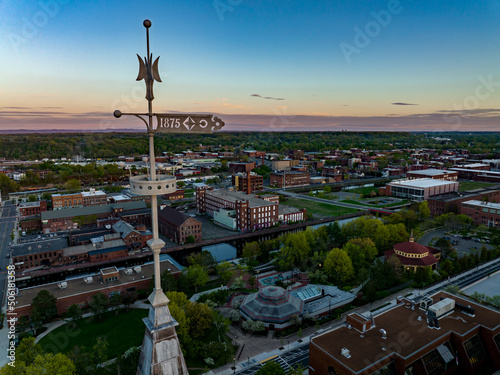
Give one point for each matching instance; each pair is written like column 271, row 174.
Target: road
column 7, row 222
column 287, row 360
column 327, row 201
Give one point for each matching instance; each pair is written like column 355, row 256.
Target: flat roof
column 483, row 204
column 41, row 246
column 234, row 196
column 106, row 271
column 431, row 172
column 78, row 286
column 401, row 323
column 422, row 183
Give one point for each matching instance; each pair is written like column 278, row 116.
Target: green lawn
column 321, row 209
column 121, row 331
column 471, row 185
column 363, row 190
column 375, row 205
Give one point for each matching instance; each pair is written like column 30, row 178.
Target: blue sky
column 262, row 65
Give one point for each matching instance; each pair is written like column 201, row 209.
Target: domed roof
column 272, row 304
column 411, row 248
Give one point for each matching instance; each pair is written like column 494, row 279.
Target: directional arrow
column 188, row 123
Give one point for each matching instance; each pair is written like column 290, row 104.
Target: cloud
column 402, row 103
column 266, row 97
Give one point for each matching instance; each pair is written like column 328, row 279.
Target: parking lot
column 462, row 245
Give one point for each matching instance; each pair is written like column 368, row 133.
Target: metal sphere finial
column 117, row 113
column 147, row 24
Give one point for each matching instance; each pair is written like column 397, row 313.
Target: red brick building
column 406, row 340
column 32, row 208
column 289, row 179
column 452, row 202
column 80, row 291
column 241, row 167
column 482, row 212
column 412, row 255
column 436, row 174
column 247, row 182
column 241, row 211
column 177, row 226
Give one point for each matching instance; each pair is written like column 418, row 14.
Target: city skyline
column 263, row 66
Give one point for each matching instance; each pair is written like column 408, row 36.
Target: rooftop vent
column 62, row 285
column 345, row 352
column 137, row 269
column 128, row 271
column 88, row 280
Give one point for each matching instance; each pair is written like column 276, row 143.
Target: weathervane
column 161, row 352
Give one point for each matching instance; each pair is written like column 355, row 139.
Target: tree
column 327, row 189
column 72, row 185
column 74, row 313
column 338, row 265
column 423, row 210
column 295, row 250
column 251, row 250
column 271, row 368
column 98, row 304
column 362, row 252
column 27, row 350
column 128, row 298
column 204, row 259
column 200, row 318
column 98, row 354
column 224, row 271
column 168, row 281
column 115, row 301
column 196, row 276
column 126, row 364
column 44, row 306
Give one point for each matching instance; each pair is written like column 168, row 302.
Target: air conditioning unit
column 137, row 269
column 62, row 285
column 88, row 280
column 128, row 271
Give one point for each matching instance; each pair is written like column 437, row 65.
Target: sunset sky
column 262, row 65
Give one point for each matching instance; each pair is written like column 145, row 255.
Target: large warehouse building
column 420, row 189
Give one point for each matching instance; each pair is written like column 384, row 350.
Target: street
column 7, row 222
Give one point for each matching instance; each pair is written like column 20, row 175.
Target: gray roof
column 123, row 228
column 83, row 249
column 272, row 304
column 91, row 210
column 233, row 196
column 39, row 247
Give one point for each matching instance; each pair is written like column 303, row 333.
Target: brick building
column 332, row 172
column 419, row 189
column 452, row 202
column 247, row 182
column 177, row 226
column 283, row 165
column 241, row 167
column 407, row 339
column 84, row 199
column 32, row 208
column 436, row 174
column 38, row 254
column 78, row 217
column 178, row 194
column 482, row 212
column 289, row 179
column 133, row 237
column 80, row 291
column 477, row 174
column 413, row 255
column 238, row 211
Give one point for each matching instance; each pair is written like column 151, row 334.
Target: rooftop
column 77, row 286
column 402, row 324
column 91, row 210
column 234, row 196
column 483, row 204
column 422, row 183
column 39, row 247
column 431, row 172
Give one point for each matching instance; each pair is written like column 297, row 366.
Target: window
column 433, row 363
column 475, row 350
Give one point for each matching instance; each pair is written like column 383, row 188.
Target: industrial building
column 419, row 189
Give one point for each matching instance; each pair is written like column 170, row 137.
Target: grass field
column 471, row 185
column 121, row 331
column 318, row 208
column 363, row 190
column 375, row 205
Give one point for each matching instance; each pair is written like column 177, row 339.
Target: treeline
column 112, row 145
